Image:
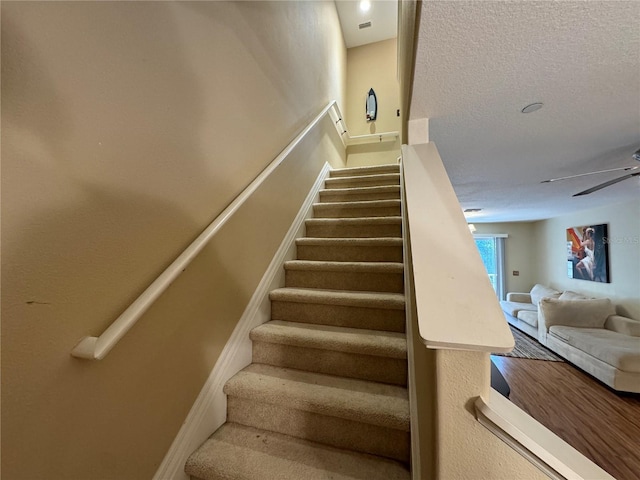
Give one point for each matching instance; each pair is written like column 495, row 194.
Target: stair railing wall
column 421, row 363
column 97, row 347
column 475, row 432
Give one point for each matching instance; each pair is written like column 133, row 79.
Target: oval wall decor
column 371, row 106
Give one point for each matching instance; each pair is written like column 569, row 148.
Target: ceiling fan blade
column 590, row 173
column 606, row 184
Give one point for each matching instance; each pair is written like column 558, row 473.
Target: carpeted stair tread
column 332, row 396
column 349, row 276
column 370, row 249
column 351, row 242
column 238, row 452
column 362, row 180
column 391, row 301
column 368, row 170
column 359, row 204
column 383, row 192
column 373, row 355
column 356, row 221
column 326, row 395
column 367, row 227
column 341, row 339
column 365, row 208
column 360, row 267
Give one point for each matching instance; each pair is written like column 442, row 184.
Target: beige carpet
column 326, row 396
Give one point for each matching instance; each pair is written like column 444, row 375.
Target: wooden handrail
column 96, row 348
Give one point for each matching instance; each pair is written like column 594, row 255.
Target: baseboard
column 210, row 408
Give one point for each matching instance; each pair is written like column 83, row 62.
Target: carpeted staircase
column 326, row 396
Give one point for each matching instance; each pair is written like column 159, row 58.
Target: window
column 491, row 248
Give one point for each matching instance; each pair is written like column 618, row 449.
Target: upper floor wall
column 373, row 66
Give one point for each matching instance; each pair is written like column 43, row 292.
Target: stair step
column 348, row 352
column 365, row 416
column 374, row 311
column 368, row 208
column 385, row 192
column 350, row 340
column 371, row 170
column 360, row 276
column 237, row 451
column 370, row 227
column 363, row 181
column 350, row 249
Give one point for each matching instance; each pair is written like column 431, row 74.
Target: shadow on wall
column 246, row 29
column 101, row 159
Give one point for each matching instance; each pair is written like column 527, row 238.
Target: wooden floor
column 600, row 423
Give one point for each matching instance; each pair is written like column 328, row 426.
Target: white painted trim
column 457, row 307
column 534, row 441
column 372, row 138
column 490, row 235
column 347, row 140
column 210, row 408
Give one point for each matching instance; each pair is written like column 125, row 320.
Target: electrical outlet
column 516, row 273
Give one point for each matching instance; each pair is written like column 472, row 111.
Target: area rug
column 526, row 347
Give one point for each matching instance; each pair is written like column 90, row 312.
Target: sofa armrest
column 589, row 313
column 519, row 297
column 624, row 325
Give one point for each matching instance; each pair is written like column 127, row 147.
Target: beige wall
column 624, row 254
column 373, row 66
column 467, row 449
column 126, row 128
column 537, row 250
column 519, row 253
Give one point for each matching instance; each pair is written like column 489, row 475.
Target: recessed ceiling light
column 532, row 108
column 365, row 6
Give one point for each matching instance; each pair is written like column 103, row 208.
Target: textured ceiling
column 383, row 15
column 479, row 63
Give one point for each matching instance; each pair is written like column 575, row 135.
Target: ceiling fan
column 635, row 171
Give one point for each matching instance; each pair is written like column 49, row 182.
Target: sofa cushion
column 618, row 350
column 624, row 325
column 539, row 292
column 519, row 297
column 569, row 295
column 512, row 308
column 590, row 313
column 529, row 317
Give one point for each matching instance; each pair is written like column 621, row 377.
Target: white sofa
column 586, row 331
column 521, row 309
column 589, row 334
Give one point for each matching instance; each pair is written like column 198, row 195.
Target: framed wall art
column 588, row 253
